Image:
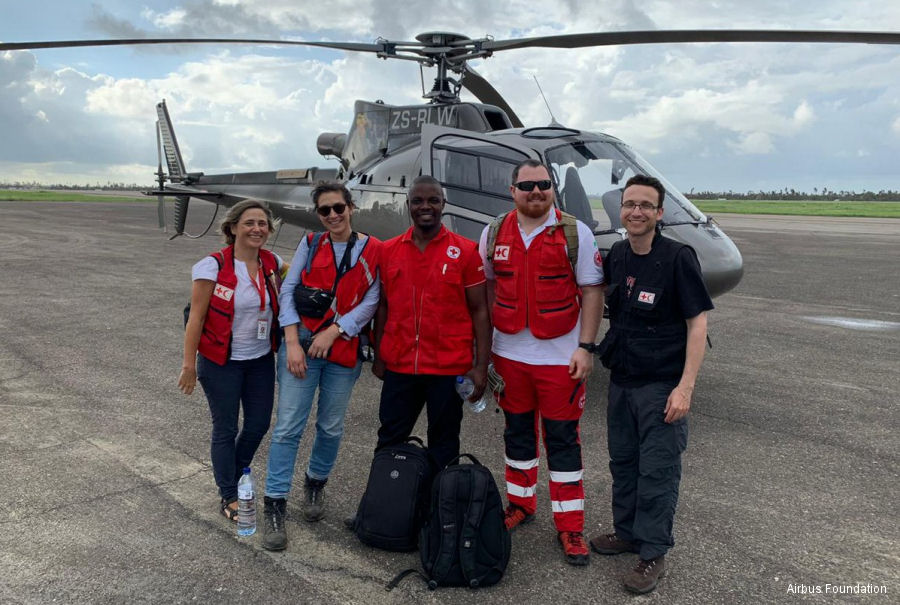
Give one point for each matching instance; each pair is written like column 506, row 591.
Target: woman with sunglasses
column 328, row 298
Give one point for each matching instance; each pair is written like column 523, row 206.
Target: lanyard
column 260, row 287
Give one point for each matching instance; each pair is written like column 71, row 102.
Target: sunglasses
column 530, row 185
column 326, row 210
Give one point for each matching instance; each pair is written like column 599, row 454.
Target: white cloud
column 754, row 142
column 168, row 20
column 804, row 114
column 756, row 107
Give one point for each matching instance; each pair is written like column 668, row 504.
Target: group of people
column 529, row 297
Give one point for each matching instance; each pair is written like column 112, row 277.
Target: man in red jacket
column 433, row 309
column 546, row 304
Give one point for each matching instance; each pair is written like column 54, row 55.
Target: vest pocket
column 645, row 303
column 551, row 289
column 505, row 284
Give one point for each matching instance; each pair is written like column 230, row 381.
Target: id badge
column 262, row 329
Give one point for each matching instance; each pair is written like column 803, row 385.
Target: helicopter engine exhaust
column 331, row 143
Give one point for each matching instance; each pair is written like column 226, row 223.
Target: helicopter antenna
column 553, row 121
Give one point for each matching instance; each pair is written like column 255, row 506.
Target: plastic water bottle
column 465, row 387
column 246, row 525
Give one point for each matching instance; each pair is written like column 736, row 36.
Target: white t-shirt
column 244, row 343
column 524, row 346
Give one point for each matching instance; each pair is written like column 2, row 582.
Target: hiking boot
column 574, row 547
column 314, row 499
column 515, row 516
column 274, row 533
column 644, row 577
column 611, row 544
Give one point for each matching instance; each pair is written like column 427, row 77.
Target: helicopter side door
column 475, row 172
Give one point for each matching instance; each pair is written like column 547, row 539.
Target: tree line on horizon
column 823, row 195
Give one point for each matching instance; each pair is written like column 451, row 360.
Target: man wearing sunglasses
column 433, row 313
column 654, row 348
column 546, row 310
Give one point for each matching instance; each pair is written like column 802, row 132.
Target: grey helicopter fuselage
column 472, row 148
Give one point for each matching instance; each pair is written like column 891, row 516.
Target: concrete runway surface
column 790, row 478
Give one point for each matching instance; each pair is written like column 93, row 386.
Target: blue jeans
column 249, row 384
column 295, row 398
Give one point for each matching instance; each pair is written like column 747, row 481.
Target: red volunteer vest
column 534, row 287
column 428, row 329
column 215, row 340
column 350, row 291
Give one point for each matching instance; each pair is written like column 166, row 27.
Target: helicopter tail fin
column 168, row 148
column 172, row 153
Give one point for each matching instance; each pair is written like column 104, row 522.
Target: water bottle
column 465, row 387
column 246, row 525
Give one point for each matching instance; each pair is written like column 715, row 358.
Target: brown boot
column 646, row 574
column 611, row 544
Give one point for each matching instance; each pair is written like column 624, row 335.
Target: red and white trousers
column 542, row 399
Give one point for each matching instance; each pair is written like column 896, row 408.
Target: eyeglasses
column 326, row 210
column 530, row 185
column 643, row 206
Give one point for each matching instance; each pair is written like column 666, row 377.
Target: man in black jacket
column 654, row 348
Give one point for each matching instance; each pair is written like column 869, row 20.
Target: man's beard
column 533, row 210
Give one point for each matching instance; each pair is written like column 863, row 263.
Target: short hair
column 328, row 187
column 647, row 181
column 426, row 179
column 234, row 215
column 531, row 163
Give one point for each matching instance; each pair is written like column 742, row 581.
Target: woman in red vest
column 329, row 297
column 233, row 325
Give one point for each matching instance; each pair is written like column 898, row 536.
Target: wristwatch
column 340, row 329
column 588, row 346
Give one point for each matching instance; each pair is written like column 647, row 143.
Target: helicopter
column 470, row 147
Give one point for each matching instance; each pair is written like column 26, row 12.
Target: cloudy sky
column 714, row 116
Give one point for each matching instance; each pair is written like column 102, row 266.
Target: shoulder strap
column 569, row 226
column 492, row 235
column 469, row 533
column 399, row 578
column 219, row 259
column 312, row 241
column 444, row 508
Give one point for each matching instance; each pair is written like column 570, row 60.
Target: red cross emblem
column 223, row 292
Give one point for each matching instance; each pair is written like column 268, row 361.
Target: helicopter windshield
column 592, row 174
column 368, row 136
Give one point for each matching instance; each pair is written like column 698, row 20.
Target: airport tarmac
column 790, row 479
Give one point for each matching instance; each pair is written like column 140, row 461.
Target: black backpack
column 395, row 502
column 464, row 542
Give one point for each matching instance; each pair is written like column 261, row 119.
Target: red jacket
column 429, row 329
column 350, row 291
column 215, row 340
column 534, row 287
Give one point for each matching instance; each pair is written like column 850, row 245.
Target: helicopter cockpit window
column 591, row 176
column 368, row 136
column 476, row 175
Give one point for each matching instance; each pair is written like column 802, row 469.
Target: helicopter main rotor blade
column 486, row 93
column 353, row 46
column 692, row 36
